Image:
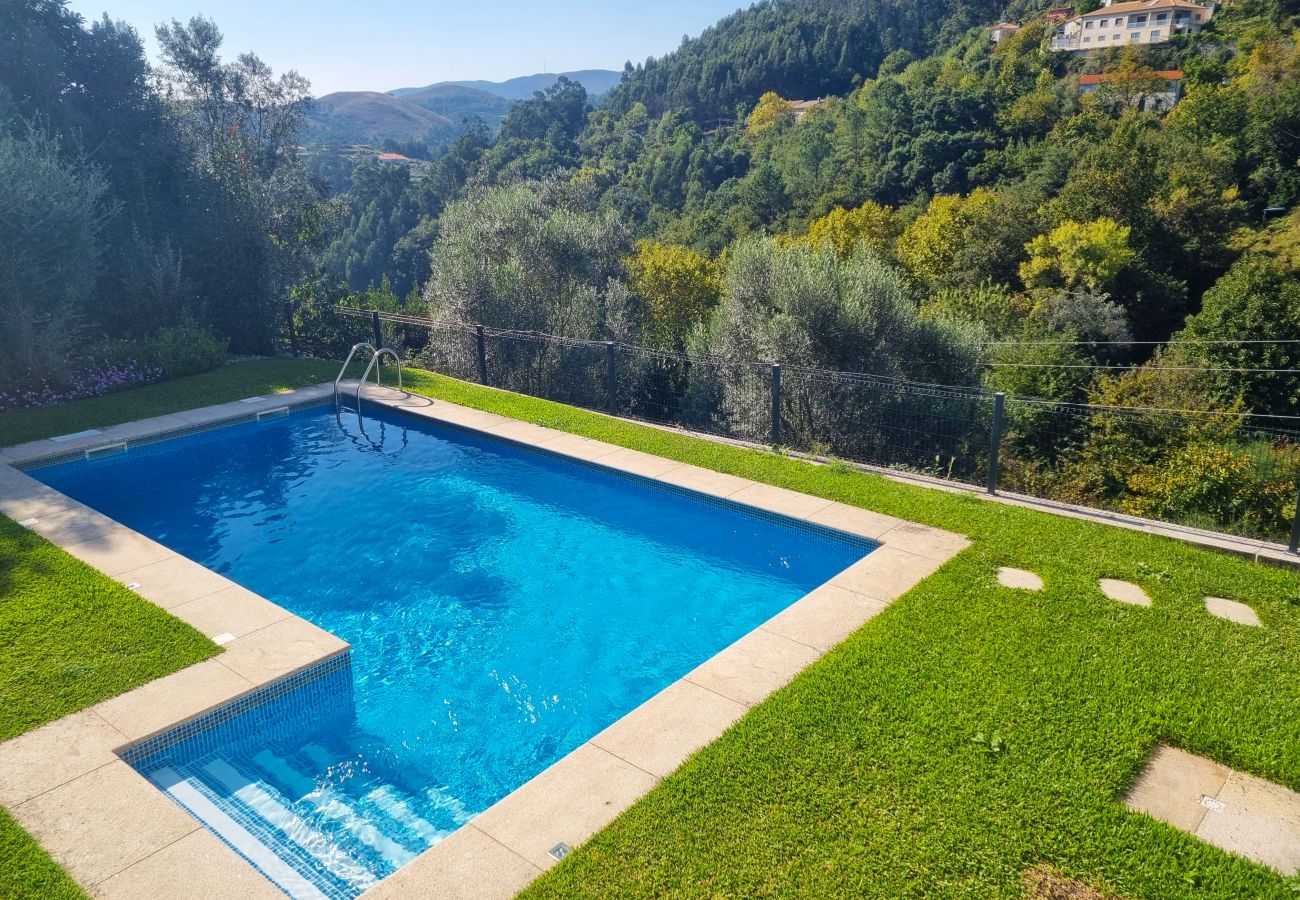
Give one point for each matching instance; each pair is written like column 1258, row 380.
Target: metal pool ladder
column 376, row 356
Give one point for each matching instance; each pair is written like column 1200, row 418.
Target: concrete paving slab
column 1021, row 579
column 780, row 500
column 754, row 667
column 54, row 754
column 174, row 581
column 569, row 802
column 1256, row 819
column 1124, row 592
column 157, row 705
column 469, row 865
column 825, row 617
column 1171, row 785
column 96, row 825
column 1232, row 610
column 854, row 520
column 196, row 867
column 661, row 733
column 235, row 611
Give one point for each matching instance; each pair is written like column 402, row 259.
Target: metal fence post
column 995, row 440
column 611, row 403
column 481, row 340
column 776, row 404
column 374, row 324
column 1294, row 546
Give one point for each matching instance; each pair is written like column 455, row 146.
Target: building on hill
column 803, row 107
column 1003, row 30
column 1151, row 91
column 394, row 158
column 1135, row 22
column 1059, row 14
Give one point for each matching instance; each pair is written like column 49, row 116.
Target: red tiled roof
column 393, row 157
column 1095, row 78
column 1142, row 6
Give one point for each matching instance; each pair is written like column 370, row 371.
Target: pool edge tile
column 662, row 733
column 567, row 802
column 471, row 865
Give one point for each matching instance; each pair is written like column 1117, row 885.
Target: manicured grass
column 232, row 382
column 69, row 637
column 865, row 776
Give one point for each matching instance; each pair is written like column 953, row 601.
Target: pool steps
column 313, row 840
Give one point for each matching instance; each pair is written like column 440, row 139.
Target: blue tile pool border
column 313, row 674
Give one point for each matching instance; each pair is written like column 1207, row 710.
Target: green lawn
column 232, row 382
column 69, row 637
column 864, row 777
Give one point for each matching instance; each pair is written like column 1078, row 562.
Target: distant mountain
column 457, row 103
column 368, row 117
column 598, row 82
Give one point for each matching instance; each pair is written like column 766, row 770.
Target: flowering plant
column 92, row 378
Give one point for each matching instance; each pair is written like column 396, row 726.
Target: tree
column 529, row 257
column 805, row 307
column 262, row 219
column 50, row 217
column 679, row 287
column 770, row 111
column 1257, row 298
column 1078, row 254
column 870, row 225
column 939, row 246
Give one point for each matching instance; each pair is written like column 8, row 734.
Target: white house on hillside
column 1136, row 22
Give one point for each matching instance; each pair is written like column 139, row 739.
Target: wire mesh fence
column 1221, row 471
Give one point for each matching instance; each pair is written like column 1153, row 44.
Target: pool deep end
column 503, row 604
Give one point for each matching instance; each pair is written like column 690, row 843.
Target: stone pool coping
column 119, row 836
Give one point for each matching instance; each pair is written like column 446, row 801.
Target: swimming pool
column 503, row 606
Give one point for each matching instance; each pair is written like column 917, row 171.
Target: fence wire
column 1222, row 471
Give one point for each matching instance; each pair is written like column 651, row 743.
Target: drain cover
column 559, row 851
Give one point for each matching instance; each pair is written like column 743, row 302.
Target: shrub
column 1215, row 486
column 174, row 351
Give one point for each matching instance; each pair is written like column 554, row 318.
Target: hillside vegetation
column 939, row 208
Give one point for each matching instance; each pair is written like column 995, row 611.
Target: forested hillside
column 948, row 210
column 797, row 48
column 1013, row 234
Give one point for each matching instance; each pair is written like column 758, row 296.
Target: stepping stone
column 1233, row 811
column 1124, row 592
column 1232, row 611
column 1020, row 579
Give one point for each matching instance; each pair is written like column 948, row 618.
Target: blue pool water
column 503, row 606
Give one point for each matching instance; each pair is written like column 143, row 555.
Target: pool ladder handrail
column 373, row 361
column 347, row 362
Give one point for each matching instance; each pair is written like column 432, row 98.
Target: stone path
column 1124, row 592
column 1232, row 611
column 1019, row 579
column 1233, row 811
column 1128, row 592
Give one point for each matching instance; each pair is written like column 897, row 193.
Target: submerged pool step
column 337, row 807
column 391, row 801
column 275, row 809
column 265, row 857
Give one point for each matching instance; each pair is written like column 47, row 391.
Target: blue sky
column 380, row 46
